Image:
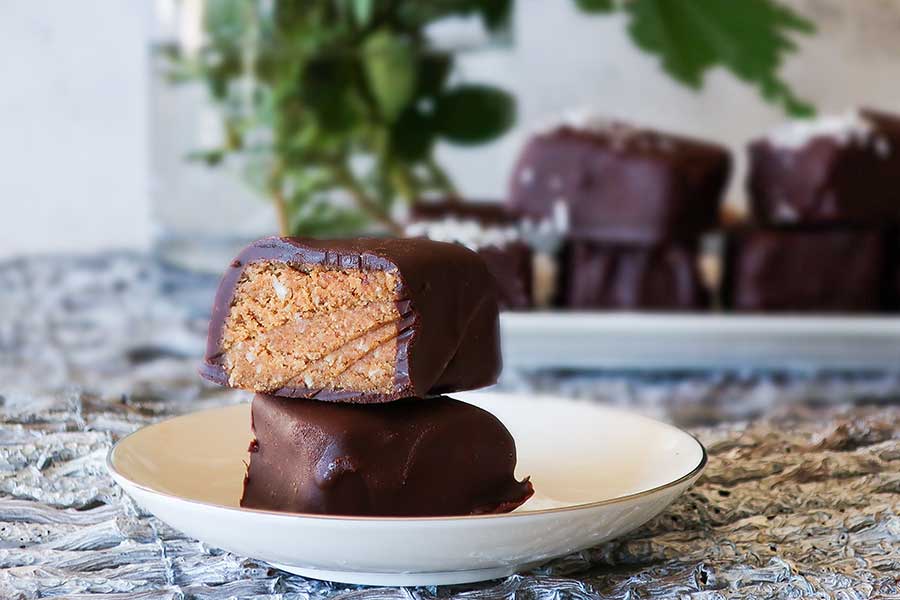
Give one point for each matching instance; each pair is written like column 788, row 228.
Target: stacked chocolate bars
column 618, row 214
column 600, row 215
column 825, row 199
column 349, row 346
column 637, row 202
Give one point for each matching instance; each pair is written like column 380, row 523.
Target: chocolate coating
column 829, row 180
column 406, row 458
column 448, row 339
column 622, row 184
column 610, row 276
column 511, row 267
column 509, row 263
column 804, row 270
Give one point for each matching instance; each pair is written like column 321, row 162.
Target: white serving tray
column 605, row 340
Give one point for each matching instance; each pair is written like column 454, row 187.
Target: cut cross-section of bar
column 354, row 320
column 316, row 328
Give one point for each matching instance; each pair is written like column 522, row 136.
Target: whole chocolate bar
column 839, row 169
column 407, row 458
column 364, row 320
column 614, row 276
column 621, row 184
column 488, row 229
column 804, row 270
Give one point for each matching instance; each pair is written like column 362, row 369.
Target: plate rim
column 694, row 472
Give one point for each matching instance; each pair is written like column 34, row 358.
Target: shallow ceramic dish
column 597, row 472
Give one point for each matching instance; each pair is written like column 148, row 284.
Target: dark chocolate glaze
column 800, row 269
column 449, row 337
column 511, row 267
column 829, row 181
column 641, row 187
column 511, row 264
column 406, row 458
column 614, row 276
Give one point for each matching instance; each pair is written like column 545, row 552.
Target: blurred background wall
column 74, row 133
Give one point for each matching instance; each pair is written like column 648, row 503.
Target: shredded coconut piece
column 468, row 232
column 526, row 176
column 843, row 128
column 560, row 215
column 582, row 119
column 622, row 135
column 882, row 147
column 280, row 289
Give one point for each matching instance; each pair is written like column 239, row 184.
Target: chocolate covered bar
column 621, row 184
column 837, row 169
column 804, row 270
column 491, row 231
column 364, row 320
column 610, row 276
column 406, row 458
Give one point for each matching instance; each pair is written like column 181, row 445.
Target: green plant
column 748, row 37
column 333, row 107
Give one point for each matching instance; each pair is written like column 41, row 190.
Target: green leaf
column 390, row 68
column 225, row 20
column 210, row 157
column 362, row 11
column 412, row 136
column 474, row 114
column 749, row 37
column 494, row 13
column 327, row 89
column 434, row 69
column 596, row 6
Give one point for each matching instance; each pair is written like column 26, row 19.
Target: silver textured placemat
column 800, row 499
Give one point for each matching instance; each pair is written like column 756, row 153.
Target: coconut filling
column 312, row 327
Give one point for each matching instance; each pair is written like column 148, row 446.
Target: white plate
column 595, row 340
column 597, row 472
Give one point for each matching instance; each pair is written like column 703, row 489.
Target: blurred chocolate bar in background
column 620, row 183
column 490, row 230
column 606, row 276
column 824, row 208
column 636, row 203
column 794, row 269
column 837, row 169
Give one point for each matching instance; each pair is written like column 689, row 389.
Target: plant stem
column 441, row 179
column 281, row 212
column 404, row 184
column 345, row 179
column 281, row 209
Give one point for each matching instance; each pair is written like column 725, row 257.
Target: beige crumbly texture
column 317, row 328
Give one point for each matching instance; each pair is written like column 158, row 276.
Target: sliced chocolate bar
column 837, row 169
column 804, row 270
column 491, row 231
column 610, row 276
column 364, row 320
column 621, row 184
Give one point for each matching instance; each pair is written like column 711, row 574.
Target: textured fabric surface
column 800, row 499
